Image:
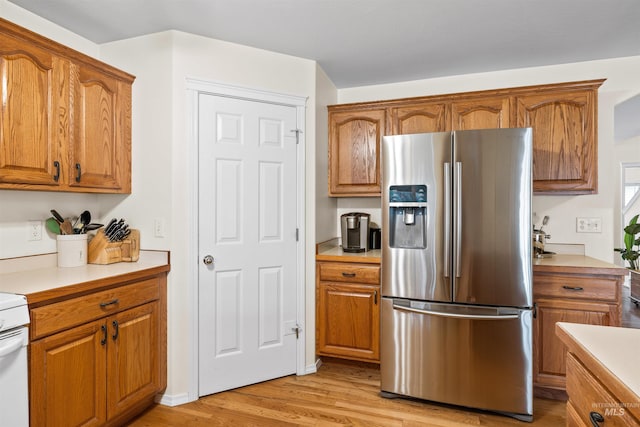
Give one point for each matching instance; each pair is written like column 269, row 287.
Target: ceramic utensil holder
column 72, row 250
column 102, row 251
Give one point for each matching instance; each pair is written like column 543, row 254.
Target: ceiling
column 363, row 42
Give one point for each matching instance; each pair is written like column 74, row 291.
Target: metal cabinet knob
column 208, row 260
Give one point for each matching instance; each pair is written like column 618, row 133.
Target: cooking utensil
column 65, row 226
column 52, row 225
column 91, row 227
column 85, row 219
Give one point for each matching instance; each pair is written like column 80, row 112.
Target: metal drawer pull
column 103, row 341
column 108, row 303
column 375, row 297
column 348, row 274
column 78, row 172
column 573, row 288
column 596, row 418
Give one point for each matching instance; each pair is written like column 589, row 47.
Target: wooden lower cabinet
column 590, row 399
column 348, row 311
column 68, row 378
column 588, row 297
column 104, row 371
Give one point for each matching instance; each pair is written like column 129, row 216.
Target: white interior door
column 247, row 224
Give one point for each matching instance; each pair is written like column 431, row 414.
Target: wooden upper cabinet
column 354, row 147
column 564, row 122
column 100, row 155
column 563, row 117
column 65, row 118
column 483, row 113
column 420, row 118
column 33, row 113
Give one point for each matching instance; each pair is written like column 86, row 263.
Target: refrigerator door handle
column 458, row 316
column 447, row 219
column 458, row 219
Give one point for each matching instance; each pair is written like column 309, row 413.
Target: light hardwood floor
column 338, row 394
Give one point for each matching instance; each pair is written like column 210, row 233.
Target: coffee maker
column 355, row 231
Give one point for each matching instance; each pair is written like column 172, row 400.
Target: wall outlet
column 34, row 231
column 158, row 227
column 588, row 225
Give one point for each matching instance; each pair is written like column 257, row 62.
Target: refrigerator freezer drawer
column 478, row 357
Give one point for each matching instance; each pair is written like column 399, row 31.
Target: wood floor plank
column 339, row 394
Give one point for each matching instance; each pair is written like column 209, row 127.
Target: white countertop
column 618, row 349
column 39, row 273
column 580, row 261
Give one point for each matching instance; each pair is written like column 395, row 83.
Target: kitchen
column 161, row 164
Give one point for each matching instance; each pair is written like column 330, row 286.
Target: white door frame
column 195, row 87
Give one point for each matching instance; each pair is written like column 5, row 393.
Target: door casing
column 195, row 87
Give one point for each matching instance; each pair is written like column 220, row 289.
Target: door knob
column 208, row 260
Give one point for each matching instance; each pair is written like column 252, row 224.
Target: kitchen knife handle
column 447, row 219
column 458, row 224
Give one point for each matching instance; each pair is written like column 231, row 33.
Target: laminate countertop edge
column 50, row 282
column 607, row 350
column 559, row 263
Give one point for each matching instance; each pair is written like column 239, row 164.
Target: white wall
column 326, row 206
column 621, row 84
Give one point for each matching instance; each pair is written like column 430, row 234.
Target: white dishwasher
column 14, row 374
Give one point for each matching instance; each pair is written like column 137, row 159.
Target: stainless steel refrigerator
column 456, row 321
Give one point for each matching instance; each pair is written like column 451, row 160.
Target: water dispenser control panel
column 408, row 216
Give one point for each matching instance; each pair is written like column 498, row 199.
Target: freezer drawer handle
column 573, row 288
column 457, row 316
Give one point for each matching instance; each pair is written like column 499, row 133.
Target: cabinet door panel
column 565, row 154
column 487, row 113
column 96, row 149
column 420, row 118
column 67, row 372
column 549, row 352
column 33, row 114
column 349, row 321
column 133, row 357
column 354, row 147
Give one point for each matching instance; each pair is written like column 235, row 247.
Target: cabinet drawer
column 62, row 315
column 343, row 272
column 587, row 394
column 575, row 287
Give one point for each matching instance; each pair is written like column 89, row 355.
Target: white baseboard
column 173, row 400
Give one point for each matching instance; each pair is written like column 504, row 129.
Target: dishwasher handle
column 456, row 315
column 11, row 345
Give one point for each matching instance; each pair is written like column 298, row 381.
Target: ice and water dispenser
column 408, row 216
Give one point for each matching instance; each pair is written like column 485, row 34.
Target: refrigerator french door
column 456, row 323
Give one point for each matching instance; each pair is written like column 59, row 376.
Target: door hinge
column 297, row 329
column 298, row 132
